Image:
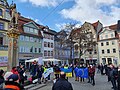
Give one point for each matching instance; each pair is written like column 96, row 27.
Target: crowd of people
column 15, row 79
column 113, row 74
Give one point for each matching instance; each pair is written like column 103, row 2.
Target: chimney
column 118, row 26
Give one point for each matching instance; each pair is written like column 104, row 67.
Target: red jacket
column 92, row 71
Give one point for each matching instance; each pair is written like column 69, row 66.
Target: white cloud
column 36, row 20
column 61, row 26
column 91, row 11
column 43, row 3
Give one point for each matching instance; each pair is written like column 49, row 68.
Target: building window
column 35, row 31
column 109, row 61
column 45, row 53
column 95, row 52
column 51, row 53
column 21, row 38
column 107, row 43
column 106, row 36
column 39, row 50
column 45, row 44
column 1, row 40
column 31, row 49
column 52, row 37
column 103, row 52
column 51, row 45
column 26, row 29
column 114, row 50
column 48, row 44
column 101, row 44
column 35, row 50
column 90, row 52
column 0, row 12
column 113, row 43
column 26, row 38
column 48, row 53
column 22, row 49
column 101, row 37
column 111, row 35
column 31, row 30
column 1, row 26
column 108, row 50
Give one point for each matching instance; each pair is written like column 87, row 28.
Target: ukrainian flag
column 67, row 71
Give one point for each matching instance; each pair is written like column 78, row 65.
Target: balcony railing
column 4, row 47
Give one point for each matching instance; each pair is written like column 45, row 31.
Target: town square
column 59, row 45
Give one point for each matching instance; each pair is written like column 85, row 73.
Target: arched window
column 0, row 12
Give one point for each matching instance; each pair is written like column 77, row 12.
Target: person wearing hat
column 12, row 83
column 1, row 79
column 62, row 83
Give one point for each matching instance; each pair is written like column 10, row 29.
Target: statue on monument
column 14, row 16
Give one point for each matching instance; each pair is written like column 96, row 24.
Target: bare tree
column 67, row 39
column 84, row 40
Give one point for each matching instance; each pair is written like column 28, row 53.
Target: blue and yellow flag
column 67, row 71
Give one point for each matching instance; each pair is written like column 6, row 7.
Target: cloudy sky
column 55, row 13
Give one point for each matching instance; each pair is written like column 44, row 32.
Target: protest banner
column 47, row 72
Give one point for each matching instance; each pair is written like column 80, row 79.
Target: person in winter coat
column 1, row 79
column 56, row 71
column 118, row 81
column 113, row 74
column 14, row 70
column 62, row 83
column 92, row 74
column 21, row 72
column 40, row 71
column 12, row 83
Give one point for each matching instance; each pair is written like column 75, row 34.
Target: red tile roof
column 22, row 21
column 113, row 27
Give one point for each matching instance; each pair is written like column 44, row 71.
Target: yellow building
column 108, row 46
column 4, row 25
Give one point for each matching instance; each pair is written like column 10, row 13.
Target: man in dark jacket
column 62, row 83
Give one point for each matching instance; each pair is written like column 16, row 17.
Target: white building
column 108, row 46
column 48, row 43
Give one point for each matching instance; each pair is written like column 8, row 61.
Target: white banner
column 40, row 61
column 47, row 72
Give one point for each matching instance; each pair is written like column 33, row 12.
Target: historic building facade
column 108, row 45
column 62, row 52
column 89, row 56
column 30, row 40
column 48, row 43
column 4, row 26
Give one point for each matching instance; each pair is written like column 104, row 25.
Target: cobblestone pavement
column 101, row 84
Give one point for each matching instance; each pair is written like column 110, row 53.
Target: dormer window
column 1, row 26
column 0, row 12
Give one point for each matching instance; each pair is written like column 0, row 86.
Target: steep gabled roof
column 113, row 27
column 21, row 21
